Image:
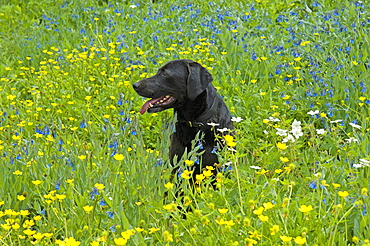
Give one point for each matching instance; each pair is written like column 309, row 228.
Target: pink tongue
column 145, row 107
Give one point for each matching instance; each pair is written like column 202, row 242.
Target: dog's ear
column 198, row 80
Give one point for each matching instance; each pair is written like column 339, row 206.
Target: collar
column 200, row 121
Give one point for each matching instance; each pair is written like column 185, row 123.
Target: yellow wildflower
column 343, row 193
column 300, row 240
column 305, row 209
column 223, row 210
column 88, row 208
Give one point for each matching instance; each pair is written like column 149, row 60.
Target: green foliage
column 80, row 165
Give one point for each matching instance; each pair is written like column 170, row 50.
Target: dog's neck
column 195, row 113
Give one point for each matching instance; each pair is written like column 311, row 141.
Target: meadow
column 79, row 165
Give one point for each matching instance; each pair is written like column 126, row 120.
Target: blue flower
column 227, row 168
column 94, row 192
column 110, row 215
column 102, row 202
column 200, row 144
column 82, row 124
column 159, row 163
column 113, row 228
column 313, row 185
column 114, row 145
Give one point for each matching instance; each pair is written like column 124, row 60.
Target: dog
column 186, row 86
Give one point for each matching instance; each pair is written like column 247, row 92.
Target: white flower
column 255, row 167
column 320, row 131
column 336, row 121
column 281, row 132
column 265, row 132
column 365, row 162
column 232, row 150
column 133, row 6
column 296, row 124
column 355, row 126
column 236, row 119
column 351, row 139
column 213, row 124
column 297, row 132
column 273, row 119
column 317, row 175
column 288, row 138
column 313, row 112
column 223, row 130
column 296, row 129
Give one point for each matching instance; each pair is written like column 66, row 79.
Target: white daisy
column 320, row 131
column 236, row 119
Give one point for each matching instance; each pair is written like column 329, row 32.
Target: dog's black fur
column 186, row 86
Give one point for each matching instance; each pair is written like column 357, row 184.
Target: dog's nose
column 136, row 85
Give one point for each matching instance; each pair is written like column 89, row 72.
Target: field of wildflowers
column 80, row 166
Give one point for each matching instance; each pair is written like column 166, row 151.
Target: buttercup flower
column 305, row 209
column 281, row 146
column 99, row 186
column 118, row 157
column 88, row 208
column 274, row 229
column 186, row 174
column 343, row 193
column 189, row 162
column 223, row 210
column 36, row 182
column 152, row 230
column 300, row 240
column 169, row 185
column 286, row 239
column 229, row 140
column 120, row 241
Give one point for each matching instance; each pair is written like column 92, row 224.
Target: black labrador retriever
column 186, row 86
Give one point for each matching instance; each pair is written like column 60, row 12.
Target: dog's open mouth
column 157, row 104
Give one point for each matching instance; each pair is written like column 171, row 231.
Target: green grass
column 69, row 120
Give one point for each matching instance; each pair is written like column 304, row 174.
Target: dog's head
column 175, row 83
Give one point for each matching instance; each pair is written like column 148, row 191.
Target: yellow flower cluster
column 266, row 206
column 12, row 224
column 125, row 236
column 229, row 141
column 52, row 196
